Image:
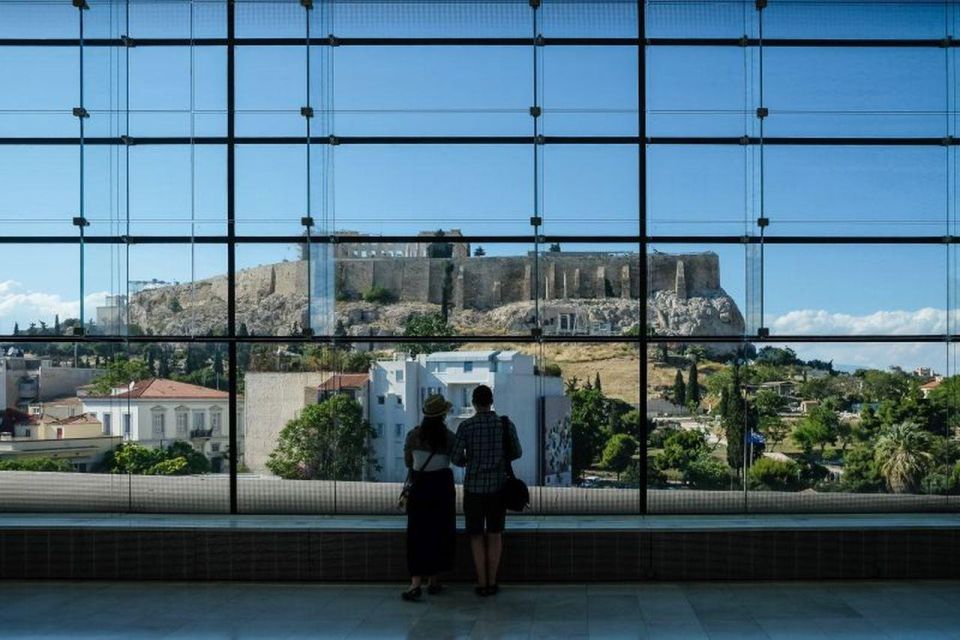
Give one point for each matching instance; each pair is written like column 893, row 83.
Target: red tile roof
column 933, row 384
column 162, row 388
column 344, row 381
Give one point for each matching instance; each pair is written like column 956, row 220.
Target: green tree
column 681, row 448
column 36, row 464
column 903, row 452
column 707, row 473
column 861, row 472
column 693, row 386
column 775, row 475
column 427, row 326
column 175, row 305
column 120, row 373
column 774, row 429
column 218, row 367
column 777, row 356
column 596, row 382
column 328, row 441
column 679, row 390
column 479, row 252
column 619, row 452
column 588, row 420
column 819, row 428
column 735, row 422
column 378, row 295
column 769, row 402
column 16, row 328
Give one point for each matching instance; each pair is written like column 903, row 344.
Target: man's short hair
column 482, row 396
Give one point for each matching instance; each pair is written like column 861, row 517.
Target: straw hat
column 435, row 405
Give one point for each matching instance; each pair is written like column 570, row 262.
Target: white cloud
column 20, row 305
column 876, row 355
column 818, row 321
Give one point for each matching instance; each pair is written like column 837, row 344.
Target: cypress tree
column 735, row 421
column 596, row 382
column 693, row 385
column 679, row 390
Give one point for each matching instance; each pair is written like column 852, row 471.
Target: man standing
column 479, row 446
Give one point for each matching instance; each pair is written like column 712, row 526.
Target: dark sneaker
column 412, row 595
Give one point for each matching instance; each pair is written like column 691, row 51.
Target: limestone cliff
column 580, row 296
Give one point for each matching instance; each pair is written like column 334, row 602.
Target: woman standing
column 431, row 506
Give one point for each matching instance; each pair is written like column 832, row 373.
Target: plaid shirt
column 479, row 447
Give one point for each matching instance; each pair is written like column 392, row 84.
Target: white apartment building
column 156, row 412
column 25, row 380
column 536, row 404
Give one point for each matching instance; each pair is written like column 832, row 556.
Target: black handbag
column 516, row 495
column 403, row 500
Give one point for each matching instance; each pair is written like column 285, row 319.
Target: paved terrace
column 687, row 611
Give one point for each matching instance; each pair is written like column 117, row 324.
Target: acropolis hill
column 494, row 294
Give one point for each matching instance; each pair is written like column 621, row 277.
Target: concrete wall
column 56, row 382
column 270, row 401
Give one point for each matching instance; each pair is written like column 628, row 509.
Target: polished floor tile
column 687, row 611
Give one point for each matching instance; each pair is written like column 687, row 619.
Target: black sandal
column 493, row 589
column 434, row 589
column 412, row 595
column 480, row 591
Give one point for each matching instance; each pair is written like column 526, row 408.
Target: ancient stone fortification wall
column 488, row 282
column 475, row 282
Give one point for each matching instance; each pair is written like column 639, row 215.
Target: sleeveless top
column 416, row 452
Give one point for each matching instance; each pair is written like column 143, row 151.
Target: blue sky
column 585, row 189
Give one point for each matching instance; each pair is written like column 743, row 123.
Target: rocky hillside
column 276, row 304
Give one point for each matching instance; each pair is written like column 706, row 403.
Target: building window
column 467, row 367
column 398, row 430
column 59, row 433
column 182, row 423
column 199, row 420
column 26, row 433
column 398, row 374
column 216, row 420
column 399, row 401
column 215, row 447
column 107, row 419
column 381, row 399
column 378, row 433
column 159, row 424
column 126, row 425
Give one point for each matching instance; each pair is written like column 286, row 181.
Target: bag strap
column 505, row 421
column 429, row 458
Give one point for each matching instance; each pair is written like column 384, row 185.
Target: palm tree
column 903, row 454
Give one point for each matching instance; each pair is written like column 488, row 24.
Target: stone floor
column 918, row 609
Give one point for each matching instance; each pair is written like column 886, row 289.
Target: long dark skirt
column 431, row 523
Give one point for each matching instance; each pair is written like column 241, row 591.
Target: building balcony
column 201, row 434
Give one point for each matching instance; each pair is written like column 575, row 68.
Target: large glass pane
column 430, row 19
column 699, row 427
column 154, row 289
column 856, row 427
column 880, row 20
column 702, row 190
column 885, row 290
column 699, row 290
column 428, row 90
column 42, row 88
column 703, row 19
column 852, row 91
column 589, row 289
column 29, row 205
column 578, row 19
column 437, row 287
column 588, row 91
column 408, row 189
column 271, row 88
column 169, row 190
column 589, row 189
column 702, row 91
column 875, row 191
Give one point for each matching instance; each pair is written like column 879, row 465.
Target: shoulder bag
column 516, row 495
column 404, row 499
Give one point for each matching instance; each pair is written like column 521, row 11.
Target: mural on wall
column 557, row 441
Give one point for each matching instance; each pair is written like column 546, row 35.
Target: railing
column 197, row 434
